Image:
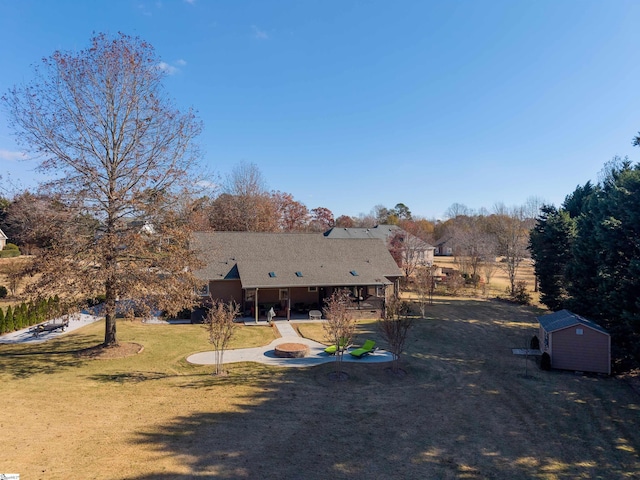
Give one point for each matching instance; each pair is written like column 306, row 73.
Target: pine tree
column 550, row 244
column 8, row 318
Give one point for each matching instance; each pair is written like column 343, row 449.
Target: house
column 3, row 239
column 575, row 343
column 414, row 250
column 291, row 271
column 444, row 247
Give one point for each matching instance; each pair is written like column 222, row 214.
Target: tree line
column 28, row 313
column 587, row 255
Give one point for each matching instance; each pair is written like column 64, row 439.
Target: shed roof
column 251, row 257
column 2, row 235
column 564, row 319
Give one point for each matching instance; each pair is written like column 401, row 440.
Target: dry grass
column 465, row 409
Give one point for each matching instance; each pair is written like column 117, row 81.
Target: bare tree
column 489, row 267
column 245, row 204
column 458, row 210
column 245, row 180
column 394, row 328
column 219, row 323
column 15, row 272
column 426, row 286
column 119, row 151
column 407, row 250
column 512, row 236
column 340, row 325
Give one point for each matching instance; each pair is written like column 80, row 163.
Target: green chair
column 332, row 349
column 368, row 347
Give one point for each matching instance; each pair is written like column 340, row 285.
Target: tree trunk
column 110, row 339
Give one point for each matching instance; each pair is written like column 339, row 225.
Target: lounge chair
column 368, row 347
column 332, row 349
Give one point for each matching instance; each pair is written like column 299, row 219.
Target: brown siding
column 268, row 295
column 226, row 290
column 588, row 352
column 303, row 295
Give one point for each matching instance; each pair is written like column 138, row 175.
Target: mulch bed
column 100, row 352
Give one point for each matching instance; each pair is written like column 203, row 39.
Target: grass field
column 465, row 409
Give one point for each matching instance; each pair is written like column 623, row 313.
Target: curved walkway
column 266, row 355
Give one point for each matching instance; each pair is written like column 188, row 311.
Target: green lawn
column 465, row 409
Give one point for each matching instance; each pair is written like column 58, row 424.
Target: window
column 284, row 294
column 203, row 291
column 272, row 274
column 579, row 331
column 250, row 295
column 354, row 273
column 312, row 289
column 298, row 274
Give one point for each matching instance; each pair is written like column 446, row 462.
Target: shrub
column 10, row 250
column 9, row 253
column 535, row 343
column 3, row 291
column 521, row 295
column 545, row 361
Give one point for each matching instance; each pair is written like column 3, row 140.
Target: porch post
column 288, row 304
column 255, row 307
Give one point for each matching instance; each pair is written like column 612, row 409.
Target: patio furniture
column 333, row 349
column 48, row 327
column 368, row 347
column 315, row 314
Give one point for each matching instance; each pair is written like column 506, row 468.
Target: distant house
column 291, row 271
column 444, row 247
column 3, row 239
column 575, row 343
column 415, row 250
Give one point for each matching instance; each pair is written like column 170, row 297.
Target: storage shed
column 575, row 343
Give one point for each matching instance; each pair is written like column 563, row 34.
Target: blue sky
column 349, row 104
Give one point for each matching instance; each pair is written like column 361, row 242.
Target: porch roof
column 279, row 260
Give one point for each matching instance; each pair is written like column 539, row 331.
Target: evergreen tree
column 550, row 244
column 3, row 323
column 8, row 318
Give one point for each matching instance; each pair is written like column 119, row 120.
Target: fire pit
column 291, row 350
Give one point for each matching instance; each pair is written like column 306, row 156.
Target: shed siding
column 588, row 352
column 226, row 290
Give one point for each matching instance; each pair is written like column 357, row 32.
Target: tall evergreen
column 550, row 244
column 8, row 318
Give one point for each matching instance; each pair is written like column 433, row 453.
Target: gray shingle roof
column 381, row 232
column 251, row 256
column 564, row 319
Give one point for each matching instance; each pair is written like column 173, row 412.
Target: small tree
column 219, row 323
column 340, row 325
column 394, row 328
column 15, row 273
column 426, row 285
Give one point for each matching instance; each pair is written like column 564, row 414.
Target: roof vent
column 298, row 274
column 354, row 273
column 272, row 274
